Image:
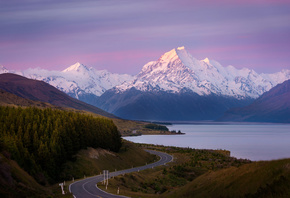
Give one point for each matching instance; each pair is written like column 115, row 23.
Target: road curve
column 87, row 188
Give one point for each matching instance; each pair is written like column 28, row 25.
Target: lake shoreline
column 254, row 142
column 220, row 123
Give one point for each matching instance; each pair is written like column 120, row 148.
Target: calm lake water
column 254, row 142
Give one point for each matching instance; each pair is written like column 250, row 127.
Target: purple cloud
column 127, row 34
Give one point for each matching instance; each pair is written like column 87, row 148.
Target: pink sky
column 122, row 36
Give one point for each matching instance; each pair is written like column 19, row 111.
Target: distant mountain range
column 180, row 87
column 26, row 92
column 177, row 70
column 272, row 106
column 175, row 87
column 78, row 81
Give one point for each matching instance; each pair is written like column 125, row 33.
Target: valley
column 67, row 138
column 167, row 99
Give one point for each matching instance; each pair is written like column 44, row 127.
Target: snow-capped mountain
column 77, row 80
column 179, row 87
column 175, row 87
column 177, row 70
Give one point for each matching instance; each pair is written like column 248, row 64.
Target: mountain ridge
column 134, row 104
column 40, row 91
column 175, row 78
column 177, row 69
column 272, row 106
column 76, row 80
column 172, row 72
column 179, row 87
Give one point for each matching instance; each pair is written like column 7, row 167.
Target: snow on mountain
column 3, row 69
column 77, row 79
column 177, row 70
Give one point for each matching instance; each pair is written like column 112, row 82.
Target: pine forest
column 42, row 140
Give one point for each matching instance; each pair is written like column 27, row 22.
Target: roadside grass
column 92, row 162
column 134, row 184
column 199, row 173
column 188, row 165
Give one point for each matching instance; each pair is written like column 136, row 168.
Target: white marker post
column 107, row 177
column 61, row 185
column 104, row 173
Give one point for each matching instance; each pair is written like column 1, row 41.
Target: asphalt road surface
column 87, row 188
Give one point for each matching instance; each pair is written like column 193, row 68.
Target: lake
column 249, row 141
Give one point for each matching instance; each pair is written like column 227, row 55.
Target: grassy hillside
column 93, row 161
column 188, row 165
column 207, row 173
column 15, row 182
column 9, row 99
column 259, row 179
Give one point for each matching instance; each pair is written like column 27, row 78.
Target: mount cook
column 175, row 87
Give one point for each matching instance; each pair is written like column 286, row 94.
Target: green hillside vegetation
column 42, row 140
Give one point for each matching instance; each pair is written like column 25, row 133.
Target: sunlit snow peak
column 77, row 67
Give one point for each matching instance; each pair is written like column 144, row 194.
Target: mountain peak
column 181, row 48
column 206, row 60
column 174, row 54
column 168, row 56
column 76, row 67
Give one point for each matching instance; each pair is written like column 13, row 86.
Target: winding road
column 87, row 188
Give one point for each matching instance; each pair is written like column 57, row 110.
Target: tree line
column 41, row 140
column 156, row 127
